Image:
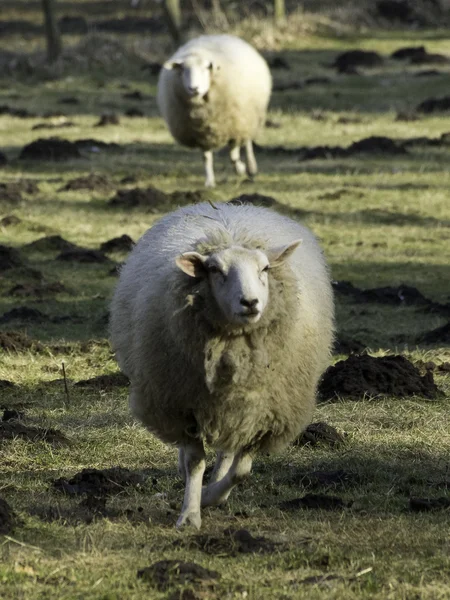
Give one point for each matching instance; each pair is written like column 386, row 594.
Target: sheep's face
column 238, row 279
column 195, row 73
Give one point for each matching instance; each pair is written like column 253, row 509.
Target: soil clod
column 82, row 255
column 13, row 429
column 15, row 341
column 320, row 433
column 368, row 376
column 7, row 519
column 55, row 149
column 150, row 198
column 118, row 244
column 96, row 482
column 39, row 290
column 108, row 119
column 165, row 573
column 348, row 61
column 255, row 199
column 232, row 543
column 429, row 504
column 92, row 182
column 431, row 105
column 10, row 220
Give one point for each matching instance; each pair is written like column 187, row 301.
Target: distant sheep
column 223, row 321
column 214, row 92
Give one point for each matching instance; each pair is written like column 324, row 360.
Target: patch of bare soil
column 23, row 313
column 82, row 255
column 368, row 376
column 232, row 543
column 150, row 198
column 419, row 56
column 440, row 335
column 10, row 220
column 431, row 105
column 21, row 113
column 278, row 62
column 16, row 341
column 118, row 244
column 39, row 290
column 134, row 112
column 11, row 414
column 108, row 119
column 3, row 159
column 93, row 181
column 55, row 149
column 105, row 382
column 431, row 366
column 9, row 258
column 255, row 199
column 5, row 384
column 346, row 62
column 12, row 191
column 166, row 573
column 401, row 295
column 96, row 482
column 315, row 501
column 179, row 197
column 13, row 429
column 7, row 518
column 50, row 243
column 320, row 433
column 93, row 145
column 429, row 504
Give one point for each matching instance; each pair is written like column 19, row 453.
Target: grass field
column 383, row 219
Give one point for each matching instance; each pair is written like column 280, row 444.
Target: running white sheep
column 214, row 91
column 223, row 321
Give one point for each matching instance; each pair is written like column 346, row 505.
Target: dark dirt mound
column 135, row 95
column 428, row 73
column 118, row 244
column 12, row 429
column 134, row 112
column 375, row 145
column 232, row 543
column 50, row 149
column 429, row 504
column 13, row 190
column 150, row 198
column 7, row 519
column 10, row 220
column 314, row 501
column 11, row 414
column 96, row 482
column 50, row 243
column 105, row 382
column 90, row 182
column 401, row 295
column 278, row 62
column 440, row 335
column 69, row 100
column 3, row 159
column 5, row 384
column 15, row 341
column 93, row 145
column 28, row 290
column 179, row 197
column 431, row 105
column 21, row 113
column 362, row 376
column 9, row 258
column 165, row 573
column 255, row 199
column 409, row 53
column 23, row 313
column 108, row 119
column 344, row 345
column 348, row 61
column 320, row 433
column 82, row 255
column 431, row 366
column 154, row 68
column 272, row 124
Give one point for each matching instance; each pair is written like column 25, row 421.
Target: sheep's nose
column 193, row 89
column 249, row 303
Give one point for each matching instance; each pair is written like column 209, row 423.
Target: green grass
column 382, row 220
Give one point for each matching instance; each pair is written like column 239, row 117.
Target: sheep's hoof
column 210, row 184
column 192, row 519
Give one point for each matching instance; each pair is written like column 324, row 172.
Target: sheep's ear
column 192, row 263
column 279, row 254
column 170, row 65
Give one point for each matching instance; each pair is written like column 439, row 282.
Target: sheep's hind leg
column 252, row 167
column 181, row 464
column 217, row 493
column 235, row 157
column 224, row 461
column 194, row 462
column 209, row 168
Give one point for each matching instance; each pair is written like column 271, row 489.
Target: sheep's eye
column 210, row 66
column 214, row 269
column 266, row 268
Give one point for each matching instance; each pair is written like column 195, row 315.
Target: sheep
column 223, row 320
column 214, row 91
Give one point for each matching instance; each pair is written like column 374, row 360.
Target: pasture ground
column 383, row 218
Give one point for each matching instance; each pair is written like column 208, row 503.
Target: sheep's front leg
column 209, row 168
column 194, row 463
column 224, row 461
column 181, row 464
column 252, row 167
column 217, row 493
column 235, row 157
